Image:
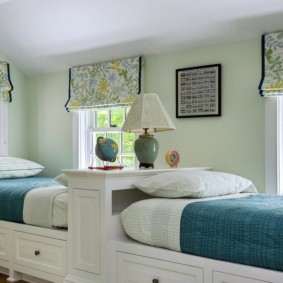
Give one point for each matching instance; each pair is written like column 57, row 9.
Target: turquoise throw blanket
column 246, row 230
column 13, row 192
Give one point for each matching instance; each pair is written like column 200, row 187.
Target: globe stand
column 106, row 150
column 106, row 166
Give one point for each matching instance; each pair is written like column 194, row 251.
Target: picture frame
column 198, row 91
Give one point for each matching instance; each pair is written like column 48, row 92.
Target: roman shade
column 5, row 83
column 271, row 83
column 108, row 84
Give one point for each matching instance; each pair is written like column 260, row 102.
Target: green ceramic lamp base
column 146, row 149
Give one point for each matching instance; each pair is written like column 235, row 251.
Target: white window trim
column 3, row 128
column 274, row 145
column 279, row 145
column 81, row 140
column 79, row 155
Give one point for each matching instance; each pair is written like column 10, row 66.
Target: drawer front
column 41, row 253
column 139, row 269
column 4, row 244
column 220, row 277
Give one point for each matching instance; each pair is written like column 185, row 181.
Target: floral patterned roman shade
column 105, row 84
column 5, row 83
column 272, row 65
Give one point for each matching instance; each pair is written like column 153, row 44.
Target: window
column 279, row 145
column 3, row 128
column 274, row 145
column 89, row 125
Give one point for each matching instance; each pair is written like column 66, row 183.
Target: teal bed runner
column 13, row 192
column 246, row 230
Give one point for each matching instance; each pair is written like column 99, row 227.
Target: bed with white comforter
column 38, row 201
column 209, row 214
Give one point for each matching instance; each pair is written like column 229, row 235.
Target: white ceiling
column 42, row 36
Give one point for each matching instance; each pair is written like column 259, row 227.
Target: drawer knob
column 37, row 252
column 155, row 280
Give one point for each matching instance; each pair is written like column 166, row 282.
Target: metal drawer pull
column 37, row 252
column 155, row 281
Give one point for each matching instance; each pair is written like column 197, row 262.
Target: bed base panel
column 214, row 271
column 15, row 271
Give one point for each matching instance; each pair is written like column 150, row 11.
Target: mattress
column 156, row 221
column 237, row 228
column 36, row 201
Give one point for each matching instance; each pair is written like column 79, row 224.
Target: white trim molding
column 273, row 145
column 3, row 128
column 279, row 145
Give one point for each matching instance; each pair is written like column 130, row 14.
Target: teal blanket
column 245, row 230
column 13, row 192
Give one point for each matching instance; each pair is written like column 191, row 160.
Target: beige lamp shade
column 147, row 112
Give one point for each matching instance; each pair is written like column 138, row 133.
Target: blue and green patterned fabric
column 246, row 230
column 5, row 83
column 108, row 84
column 13, row 192
column 272, row 65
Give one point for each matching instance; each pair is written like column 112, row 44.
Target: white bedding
column 156, row 221
column 47, row 207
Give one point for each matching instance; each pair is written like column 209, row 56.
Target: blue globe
column 106, row 149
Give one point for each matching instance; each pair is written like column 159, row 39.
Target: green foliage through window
column 108, row 123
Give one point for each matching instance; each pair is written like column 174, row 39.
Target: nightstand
column 96, row 198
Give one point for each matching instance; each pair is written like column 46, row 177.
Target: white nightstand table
column 96, row 198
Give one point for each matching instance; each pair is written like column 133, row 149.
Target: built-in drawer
column 139, row 269
column 41, row 253
column 221, row 277
column 4, row 244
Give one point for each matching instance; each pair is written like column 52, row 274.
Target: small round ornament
column 172, row 158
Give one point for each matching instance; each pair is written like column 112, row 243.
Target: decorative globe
column 106, row 149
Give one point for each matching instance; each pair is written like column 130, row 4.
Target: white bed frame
column 96, row 250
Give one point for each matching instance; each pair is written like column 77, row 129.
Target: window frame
column 274, row 145
column 82, row 132
column 279, row 145
column 3, row 128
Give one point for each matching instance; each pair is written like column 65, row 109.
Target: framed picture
column 198, row 91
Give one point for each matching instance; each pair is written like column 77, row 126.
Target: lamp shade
column 147, row 112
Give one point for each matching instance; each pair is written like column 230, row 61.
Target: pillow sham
column 62, row 179
column 195, row 184
column 13, row 167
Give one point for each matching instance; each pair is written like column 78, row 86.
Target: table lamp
column 147, row 114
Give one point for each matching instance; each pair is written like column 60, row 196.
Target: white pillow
column 12, row 167
column 194, row 184
column 62, row 179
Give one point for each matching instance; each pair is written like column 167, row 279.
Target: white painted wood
column 4, row 244
column 86, row 231
column 42, row 253
column 220, row 277
column 115, row 190
column 3, row 128
column 228, row 271
column 132, row 268
column 19, row 260
column 271, row 146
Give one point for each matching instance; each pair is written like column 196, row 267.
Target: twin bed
column 35, row 201
column 245, row 229
column 241, row 227
column 33, row 223
column 205, row 214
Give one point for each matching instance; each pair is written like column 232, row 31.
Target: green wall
column 18, row 128
column 51, row 125
column 232, row 143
